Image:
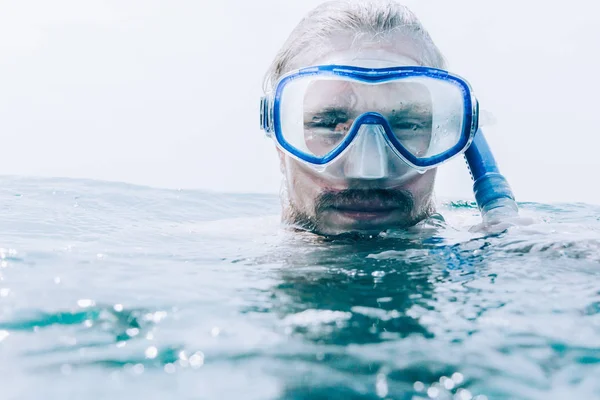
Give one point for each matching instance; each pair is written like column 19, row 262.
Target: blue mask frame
column 271, row 120
column 491, row 189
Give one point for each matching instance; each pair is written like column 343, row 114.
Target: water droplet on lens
column 197, row 360
column 151, row 352
column 458, row 378
column 447, row 383
column 132, row 332
column 433, row 392
column 463, row 394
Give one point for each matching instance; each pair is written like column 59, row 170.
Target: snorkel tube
column 493, row 195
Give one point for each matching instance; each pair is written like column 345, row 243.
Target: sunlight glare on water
column 114, row 290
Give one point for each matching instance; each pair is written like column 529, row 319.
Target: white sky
column 165, row 93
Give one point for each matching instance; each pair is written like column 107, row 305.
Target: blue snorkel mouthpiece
column 493, row 194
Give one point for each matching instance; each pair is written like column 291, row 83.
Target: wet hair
column 360, row 18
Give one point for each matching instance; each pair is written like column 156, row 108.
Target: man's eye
column 329, row 123
column 411, row 126
column 323, row 124
column 331, row 120
column 407, row 127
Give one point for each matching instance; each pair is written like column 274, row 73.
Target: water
column 113, row 291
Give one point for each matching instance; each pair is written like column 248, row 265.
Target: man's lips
column 366, row 206
column 364, row 211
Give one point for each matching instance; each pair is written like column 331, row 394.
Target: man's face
column 368, row 188
column 365, row 206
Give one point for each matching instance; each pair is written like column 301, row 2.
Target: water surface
column 113, row 291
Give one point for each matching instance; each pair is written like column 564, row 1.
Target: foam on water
column 117, row 291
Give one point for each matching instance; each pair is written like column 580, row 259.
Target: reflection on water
column 111, row 290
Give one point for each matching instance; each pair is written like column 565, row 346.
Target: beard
column 316, row 219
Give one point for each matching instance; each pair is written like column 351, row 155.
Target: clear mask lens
column 426, row 115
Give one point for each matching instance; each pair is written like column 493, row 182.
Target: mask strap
column 491, row 189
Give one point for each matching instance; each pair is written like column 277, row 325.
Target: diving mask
column 351, row 122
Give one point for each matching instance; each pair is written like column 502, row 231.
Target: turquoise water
column 114, row 291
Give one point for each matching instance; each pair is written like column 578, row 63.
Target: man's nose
column 368, row 156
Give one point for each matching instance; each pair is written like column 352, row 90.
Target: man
column 361, row 132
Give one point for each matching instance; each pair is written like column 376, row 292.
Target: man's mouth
column 365, row 211
column 374, row 206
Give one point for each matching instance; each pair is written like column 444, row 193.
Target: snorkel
column 493, row 194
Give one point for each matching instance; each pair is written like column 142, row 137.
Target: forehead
column 376, row 51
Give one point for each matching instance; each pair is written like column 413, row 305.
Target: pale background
column 165, row 93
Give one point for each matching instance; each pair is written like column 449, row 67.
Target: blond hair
column 356, row 17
